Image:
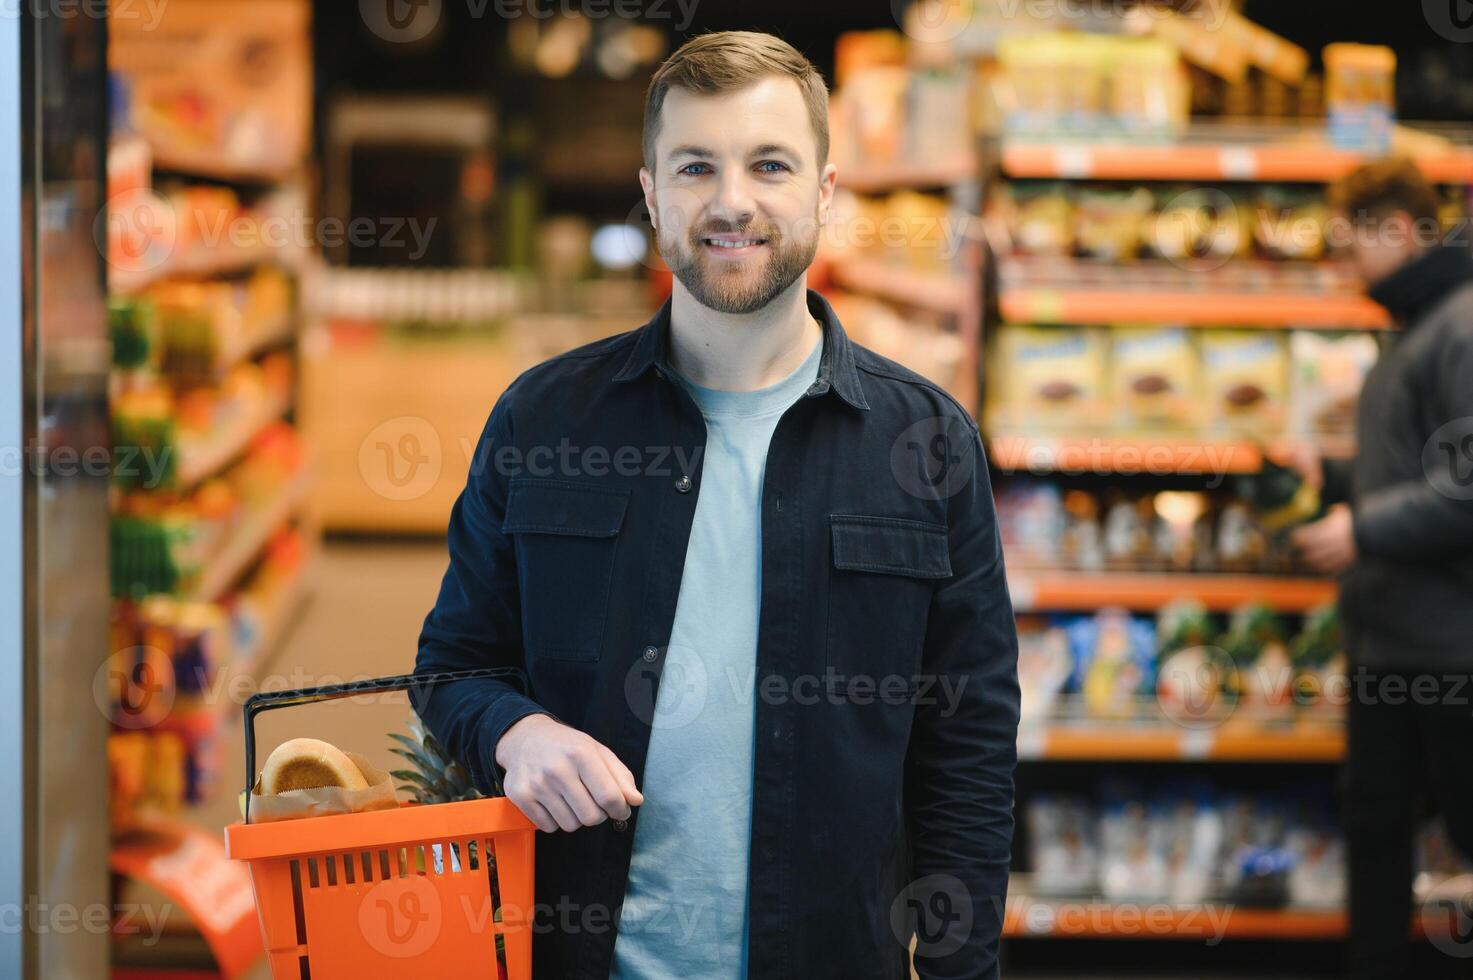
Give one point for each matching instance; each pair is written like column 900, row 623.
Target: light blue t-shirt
column 685, row 906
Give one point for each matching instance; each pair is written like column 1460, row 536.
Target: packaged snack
column 1154, row 377
column 1084, row 538
column 1318, row 653
column 1127, row 534
column 1049, row 377
column 1328, row 371
column 1041, row 217
column 1044, row 665
column 1108, row 223
column 1246, row 379
column 1113, row 661
column 1289, row 222
column 1031, row 515
column 1135, row 846
column 1199, row 223
column 1242, row 544
column 1360, row 85
column 1257, row 642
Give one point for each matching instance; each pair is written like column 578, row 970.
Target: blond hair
column 725, row 61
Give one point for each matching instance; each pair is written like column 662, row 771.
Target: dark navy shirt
column 886, row 697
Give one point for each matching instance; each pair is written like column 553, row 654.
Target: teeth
column 741, row 244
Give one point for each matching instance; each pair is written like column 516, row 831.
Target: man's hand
column 562, row 778
column 1328, row 545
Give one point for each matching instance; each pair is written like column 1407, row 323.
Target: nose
column 734, row 202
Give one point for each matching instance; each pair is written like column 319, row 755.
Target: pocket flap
column 536, row 506
column 890, row 545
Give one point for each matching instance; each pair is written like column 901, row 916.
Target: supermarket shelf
column 264, row 338
column 246, row 544
column 199, row 263
column 1162, row 455
column 204, row 459
column 1030, row 917
column 1314, row 741
column 1149, row 591
column 1227, row 153
column 878, row 178
column 937, row 292
column 210, row 164
column 278, row 622
column 1030, row 304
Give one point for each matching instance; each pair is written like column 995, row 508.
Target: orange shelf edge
column 1043, row 305
column 1026, row 917
column 1150, row 591
column 1104, row 454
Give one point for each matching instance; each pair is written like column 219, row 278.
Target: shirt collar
column 836, row 369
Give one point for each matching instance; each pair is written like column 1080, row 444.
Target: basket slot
column 489, row 845
column 330, row 865
column 312, row 872
column 383, row 866
column 348, row 876
column 367, row 866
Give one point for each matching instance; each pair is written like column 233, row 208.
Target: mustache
column 727, row 228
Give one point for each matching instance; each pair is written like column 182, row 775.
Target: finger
column 561, row 812
column 537, row 813
column 569, row 779
column 603, row 790
column 623, row 777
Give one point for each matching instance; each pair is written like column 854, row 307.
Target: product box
column 1328, row 371
column 1154, row 377
column 1047, row 378
column 1245, row 376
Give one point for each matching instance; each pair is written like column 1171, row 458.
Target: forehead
column 770, row 110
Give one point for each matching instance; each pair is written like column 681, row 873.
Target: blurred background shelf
column 936, row 292
column 1149, row 591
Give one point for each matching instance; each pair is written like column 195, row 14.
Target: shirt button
column 683, row 484
column 621, row 825
column 650, row 653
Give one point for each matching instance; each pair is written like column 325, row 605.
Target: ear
column 826, row 183
column 647, row 182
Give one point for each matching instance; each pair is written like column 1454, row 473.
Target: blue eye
column 773, row 163
column 687, row 168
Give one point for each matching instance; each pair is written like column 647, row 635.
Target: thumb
column 623, row 777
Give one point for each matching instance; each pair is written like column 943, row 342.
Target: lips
column 734, row 242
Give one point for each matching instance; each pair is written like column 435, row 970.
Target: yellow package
column 1245, row 377
column 1154, row 377
column 1048, row 377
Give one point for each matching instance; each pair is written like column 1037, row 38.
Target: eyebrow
column 694, row 150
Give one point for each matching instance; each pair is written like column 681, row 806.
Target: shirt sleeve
column 476, row 621
column 1433, row 516
column 963, row 748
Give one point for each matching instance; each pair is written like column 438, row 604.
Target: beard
column 737, row 285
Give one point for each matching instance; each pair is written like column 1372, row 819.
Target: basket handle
column 269, row 700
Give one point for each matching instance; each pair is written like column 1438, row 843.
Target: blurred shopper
column 752, row 569
column 1400, row 535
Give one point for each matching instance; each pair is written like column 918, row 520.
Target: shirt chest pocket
column 883, row 572
column 566, row 537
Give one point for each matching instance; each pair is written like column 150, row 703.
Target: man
column 1400, row 535
column 759, row 597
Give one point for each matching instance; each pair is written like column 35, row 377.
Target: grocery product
column 1049, row 377
column 1257, row 642
column 1282, row 498
column 1113, row 654
column 1289, row 222
column 1328, row 371
column 1108, row 222
column 1199, row 223
column 1041, row 215
column 309, row 763
column 1246, row 380
column 1154, row 377
column 1360, row 96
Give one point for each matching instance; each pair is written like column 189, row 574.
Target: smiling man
column 773, row 702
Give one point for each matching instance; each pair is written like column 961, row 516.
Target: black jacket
column 1408, row 601
column 877, row 795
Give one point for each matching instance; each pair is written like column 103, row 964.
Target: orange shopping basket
column 415, row 889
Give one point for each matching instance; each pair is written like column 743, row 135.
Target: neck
column 741, row 351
